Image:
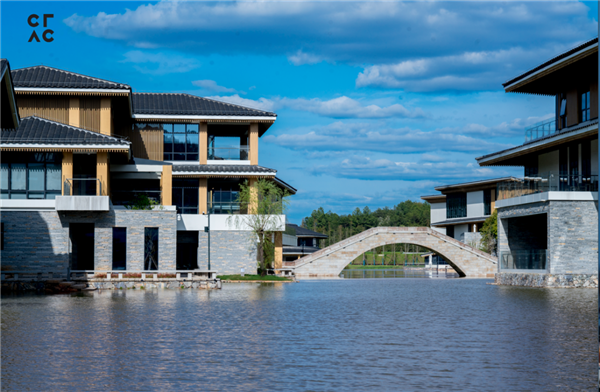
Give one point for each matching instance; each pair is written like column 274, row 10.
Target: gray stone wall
column 229, row 252
column 571, row 232
column 40, row 240
column 547, row 280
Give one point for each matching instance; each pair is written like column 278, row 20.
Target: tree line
column 339, row 227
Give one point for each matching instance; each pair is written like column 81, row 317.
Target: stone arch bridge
column 329, row 262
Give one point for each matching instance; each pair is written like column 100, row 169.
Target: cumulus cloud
column 159, row 63
column 341, row 107
column 451, row 45
column 376, row 137
column 211, row 85
column 505, row 129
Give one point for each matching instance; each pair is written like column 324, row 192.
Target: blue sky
column 377, row 102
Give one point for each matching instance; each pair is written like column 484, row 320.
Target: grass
column 266, row 278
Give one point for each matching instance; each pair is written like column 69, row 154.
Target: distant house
column 460, row 209
column 548, row 220
column 299, row 242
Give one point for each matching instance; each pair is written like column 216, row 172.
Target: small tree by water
column 489, row 234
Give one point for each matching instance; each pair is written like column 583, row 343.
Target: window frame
column 584, row 106
column 189, row 156
column 456, row 205
column 45, row 192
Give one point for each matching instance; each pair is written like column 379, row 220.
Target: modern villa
column 79, row 154
column 460, row 209
column 299, row 241
column 548, row 220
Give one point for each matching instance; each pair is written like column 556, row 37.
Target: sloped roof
column 303, row 232
column 3, row 66
column 222, row 169
column 39, row 131
column 41, row 76
column 186, row 104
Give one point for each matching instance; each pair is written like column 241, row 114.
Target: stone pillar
column 102, row 173
column 203, row 196
column 166, row 185
column 253, row 143
column 74, row 112
column 67, row 170
column 278, row 260
column 203, row 140
column 105, row 116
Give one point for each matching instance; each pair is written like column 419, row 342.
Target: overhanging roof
column 512, row 156
column 9, row 108
column 434, row 198
column 285, row 185
column 473, row 185
column 304, row 232
column 460, row 221
column 44, row 78
column 222, row 170
column 39, row 133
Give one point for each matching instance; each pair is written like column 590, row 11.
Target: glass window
column 192, row 143
column 181, row 142
column 53, row 177
column 18, row 176
column 4, row 176
column 179, row 128
column 585, row 106
column 119, row 250
column 151, row 248
column 36, row 176
column 192, row 128
column 178, row 142
column 168, row 141
column 456, row 205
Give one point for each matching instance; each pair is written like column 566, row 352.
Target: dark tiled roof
column 186, row 104
column 299, row 250
column 302, row 232
column 552, row 136
column 42, row 76
column 3, row 66
column 552, row 60
column 286, row 185
column 35, row 130
column 223, row 169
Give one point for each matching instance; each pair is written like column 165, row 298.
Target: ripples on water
column 379, row 334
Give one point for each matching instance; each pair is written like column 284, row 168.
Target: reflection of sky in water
column 351, row 334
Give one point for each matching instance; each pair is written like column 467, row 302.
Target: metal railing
column 236, row 208
column 82, row 187
column 547, row 182
column 228, row 153
column 540, row 130
column 532, row 259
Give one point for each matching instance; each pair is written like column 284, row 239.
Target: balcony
column 229, row 208
column 82, row 194
column 531, row 259
column 540, row 130
column 548, row 182
column 228, row 153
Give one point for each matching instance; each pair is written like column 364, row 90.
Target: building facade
column 95, row 177
column 548, row 220
column 299, row 241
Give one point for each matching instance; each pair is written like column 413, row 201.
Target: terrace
column 540, row 130
column 548, row 182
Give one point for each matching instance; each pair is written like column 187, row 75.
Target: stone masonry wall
column 547, row 280
column 229, row 252
column 39, row 240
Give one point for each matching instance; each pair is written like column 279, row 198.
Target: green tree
column 266, row 204
column 489, row 234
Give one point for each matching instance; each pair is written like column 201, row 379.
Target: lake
column 342, row 335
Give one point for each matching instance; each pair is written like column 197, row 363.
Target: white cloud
column 211, row 85
column 160, row 63
column 302, row 58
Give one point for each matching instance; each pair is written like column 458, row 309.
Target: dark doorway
column 119, row 251
column 187, row 250
column 82, row 246
column 84, row 174
column 151, row 248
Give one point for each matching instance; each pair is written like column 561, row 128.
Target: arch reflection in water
column 421, row 273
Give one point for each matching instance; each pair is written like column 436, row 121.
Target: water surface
column 343, row 335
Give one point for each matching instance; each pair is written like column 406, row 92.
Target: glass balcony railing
column 228, row 153
column 540, row 130
column 82, row 187
column 547, row 182
column 228, row 208
column 531, row 259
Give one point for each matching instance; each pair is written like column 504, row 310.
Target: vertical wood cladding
column 50, row 108
column 89, row 114
column 145, row 144
column 572, row 108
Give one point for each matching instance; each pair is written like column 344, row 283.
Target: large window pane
column 168, row 157
column 179, row 142
column 53, row 177
column 36, row 176
column 178, row 198
column 14, row 195
column 18, row 176
column 168, row 142
column 190, row 198
column 179, row 128
column 151, row 248
column 119, row 251
column 4, row 176
column 192, row 128
column 192, row 143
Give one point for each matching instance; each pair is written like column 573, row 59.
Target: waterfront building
column 87, row 153
column 460, row 209
column 299, row 241
column 548, row 220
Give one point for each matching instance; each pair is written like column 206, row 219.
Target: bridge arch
column 330, row 261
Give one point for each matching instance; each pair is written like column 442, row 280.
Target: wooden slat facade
column 145, row 144
column 50, row 108
column 89, row 114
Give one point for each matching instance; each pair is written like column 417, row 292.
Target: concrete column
column 278, row 260
column 430, row 260
column 67, row 170
column 203, row 140
column 253, row 143
column 105, row 116
column 74, row 112
column 203, row 196
column 166, row 185
column 253, row 206
column 102, row 173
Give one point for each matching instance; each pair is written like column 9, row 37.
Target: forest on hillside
column 340, row 227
